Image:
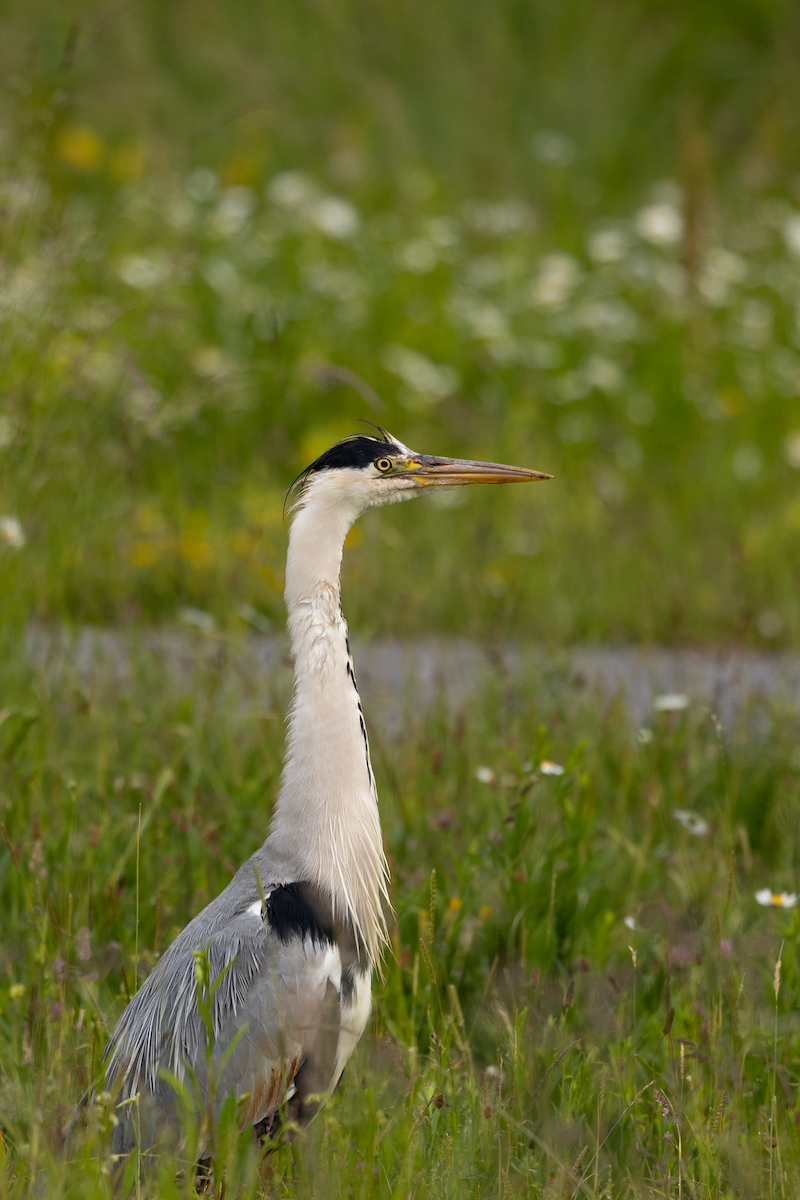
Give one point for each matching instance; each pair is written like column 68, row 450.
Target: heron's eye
column 384, row 464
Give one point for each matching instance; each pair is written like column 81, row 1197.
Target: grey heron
column 293, row 939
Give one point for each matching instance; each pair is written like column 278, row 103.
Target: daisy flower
column 550, row 768
column 691, row 821
column 769, row 898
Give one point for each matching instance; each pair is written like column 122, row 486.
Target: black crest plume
column 357, row 451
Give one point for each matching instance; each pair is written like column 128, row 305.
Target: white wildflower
column 498, row 220
column 641, row 409
column 767, row 898
column 550, row 768
column 691, row 821
column 442, row 231
column 291, row 189
column 142, row 271
column 197, row 618
column 11, row 533
column 660, row 224
column 334, row 217
column 235, row 208
column 419, row 256
column 602, row 373
column 201, row 184
column 552, row 147
column 791, row 234
column 8, row 430
column 612, row 319
column 747, row 463
column 558, row 275
column 721, row 270
column 419, row 372
column 607, row 245
column 210, row 362
column 485, row 775
column 791, row 449
column 671, row 702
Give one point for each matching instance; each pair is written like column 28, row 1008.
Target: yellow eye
column 384, row 464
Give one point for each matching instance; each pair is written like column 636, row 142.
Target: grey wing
column 284, row 994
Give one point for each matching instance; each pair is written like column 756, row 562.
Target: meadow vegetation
column 560, row 234
column 580, row 998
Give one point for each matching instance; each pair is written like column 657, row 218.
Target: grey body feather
column 295, row 998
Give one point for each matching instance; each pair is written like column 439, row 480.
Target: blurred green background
column 565, row 234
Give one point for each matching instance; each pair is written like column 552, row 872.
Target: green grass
column 516, row 1048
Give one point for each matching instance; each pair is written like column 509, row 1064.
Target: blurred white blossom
column 236, row 206
column 558, row 275
column 442, row 231
column 791, row 449
column 721, row 270
column 291, row 189
column 791, row 234
column 550, row 768
column 607, row 245
column 144, row 271
column 221, row 275
column 419, row 372
column 25, row 289
column 334, row 217
column 691, row 821
column 660, row 224
column 210, row 362
column 419, row 256
column 769, row 624
column 671, row 702
column 602, row 373
column 8, row 430
column 11, row 533
column 747, row 462
column 551, row 146
column 753, row 327
column 485, row 775
column 197, row 618
column 201, row 184
column 641, row 409
column 498, row 220
column 612, row 319
column 23, row 193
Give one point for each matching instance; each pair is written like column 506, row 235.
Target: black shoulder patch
column 298, row 910
column 357, row 451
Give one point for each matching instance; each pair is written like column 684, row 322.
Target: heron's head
column 363, row 472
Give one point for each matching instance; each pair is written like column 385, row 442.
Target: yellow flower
column 79, row 147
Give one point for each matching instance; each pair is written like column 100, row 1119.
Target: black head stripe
column 357, row 451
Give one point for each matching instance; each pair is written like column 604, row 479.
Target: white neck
column 326, row 820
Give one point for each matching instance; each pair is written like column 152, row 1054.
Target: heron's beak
column 427, row 471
